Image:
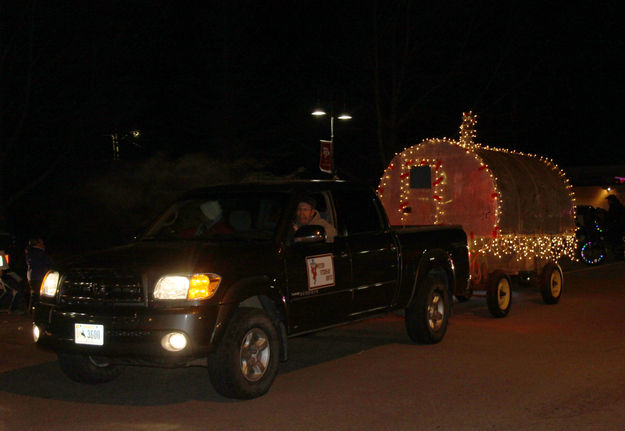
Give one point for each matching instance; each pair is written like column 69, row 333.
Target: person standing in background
column 37, row 263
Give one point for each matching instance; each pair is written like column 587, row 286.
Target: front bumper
column 131, row 335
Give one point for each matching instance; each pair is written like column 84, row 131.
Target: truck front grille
column 101, row 287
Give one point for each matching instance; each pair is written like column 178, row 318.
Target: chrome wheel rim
column 503, row 293
column 436, row 311
column 254, row 354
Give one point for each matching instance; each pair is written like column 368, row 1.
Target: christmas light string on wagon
column 437, row 185
column 498, row 244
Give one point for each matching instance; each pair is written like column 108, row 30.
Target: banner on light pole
column 326, row 159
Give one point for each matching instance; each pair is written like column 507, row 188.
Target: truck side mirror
column 310, row 234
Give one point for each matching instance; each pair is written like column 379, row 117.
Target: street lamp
column 318, row 112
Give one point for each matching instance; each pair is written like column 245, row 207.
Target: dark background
column 223, row 92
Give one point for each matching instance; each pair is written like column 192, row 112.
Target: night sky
column 228, row 81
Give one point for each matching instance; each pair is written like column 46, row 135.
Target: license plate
column 89, row 334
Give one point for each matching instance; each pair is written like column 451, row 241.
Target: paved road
column 543, row 367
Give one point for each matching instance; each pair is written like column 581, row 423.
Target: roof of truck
column 280, row 185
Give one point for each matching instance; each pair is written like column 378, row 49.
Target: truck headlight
column 4, row 260
column 192, row 287
column 50, row 284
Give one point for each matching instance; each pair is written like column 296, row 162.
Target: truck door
column 373, row 251
column 319, row 278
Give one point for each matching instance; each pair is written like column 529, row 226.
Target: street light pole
column 344, row 116
column 334, row 177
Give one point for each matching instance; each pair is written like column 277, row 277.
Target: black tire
column 246, row 361
column 499, row 294
column 428, row 316
column 88, row 369
column 551, row 283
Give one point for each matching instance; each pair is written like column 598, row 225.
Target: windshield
column 235, row 216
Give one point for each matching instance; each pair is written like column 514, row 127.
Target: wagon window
column 420, row 177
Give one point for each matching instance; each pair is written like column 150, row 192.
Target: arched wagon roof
column 535, row 196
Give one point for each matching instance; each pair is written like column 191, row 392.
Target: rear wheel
column 499, row 294
column 428, row 316
column 552, row 283
column 246, row 361
column 88, row 369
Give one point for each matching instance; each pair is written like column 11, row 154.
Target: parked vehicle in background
column 223, row 279
column 598, row 240
column 7, row 249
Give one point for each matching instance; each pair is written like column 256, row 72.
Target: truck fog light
column 174, row 341
column 35, row 333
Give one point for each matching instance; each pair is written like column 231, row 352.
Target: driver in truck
column 306, row 214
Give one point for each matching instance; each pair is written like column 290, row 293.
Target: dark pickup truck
column 223, row 279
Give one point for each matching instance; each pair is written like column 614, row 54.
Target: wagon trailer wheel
column 551, row 283
column 499, row 294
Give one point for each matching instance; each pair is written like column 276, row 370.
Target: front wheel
column 552, row 283
column 499, row 294
column 246, row 361
column 88, row 369
column 428, row 316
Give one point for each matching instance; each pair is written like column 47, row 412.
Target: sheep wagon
column 518, row 210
